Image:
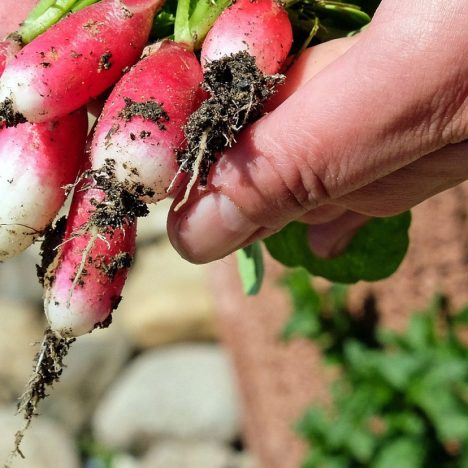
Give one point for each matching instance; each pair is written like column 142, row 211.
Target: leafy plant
column 401, row 399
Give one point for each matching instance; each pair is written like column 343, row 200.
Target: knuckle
column 300, row 172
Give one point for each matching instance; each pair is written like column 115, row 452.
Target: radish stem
column 191, row 28
column 46, row 14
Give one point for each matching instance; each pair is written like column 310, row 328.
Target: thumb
column 384, row 103
column 220, row 215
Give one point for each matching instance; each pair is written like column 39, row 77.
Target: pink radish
column 141, row 126
column 75, row 60
column 133, row 154
column 247, row 45
column 36, row 162
column 85, row 260
column 259, row 27
column 85, row 278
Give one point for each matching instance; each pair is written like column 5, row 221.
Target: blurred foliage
column 94, row 454
column 401, row 399
column 163, row 24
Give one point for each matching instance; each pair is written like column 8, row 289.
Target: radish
column 75, row 60
column 241, row 55
column 133, row 157
column 141, row 126
column 259, row 27
column 85, row 260
column 86, row 273
column 36, row 162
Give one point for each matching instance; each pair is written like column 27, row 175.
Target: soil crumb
column 121, row 261
column 48, row 367
column 105, row 62
column 121, row 204
column 8, row 115
column 148, row 110
column 238, row 91
column 53, row 237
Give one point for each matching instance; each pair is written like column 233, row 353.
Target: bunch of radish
column 152, row 129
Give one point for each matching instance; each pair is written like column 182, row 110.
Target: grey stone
column 45, row 445
column 18, row 279
column 93, row 363
column 166, row 299
column 21, row 328
column 177, row 454
column 152, row 228
column 184, row 392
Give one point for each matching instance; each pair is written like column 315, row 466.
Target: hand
column 365, row 126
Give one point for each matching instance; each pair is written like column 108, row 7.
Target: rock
column 166, row 299
column 244, row 460
column 21, row 327
column 182, row 391
column 18, row 279
column 152, row 228
column 92, row 364
column 124, row 460
column 176, row 454
column 45, row 445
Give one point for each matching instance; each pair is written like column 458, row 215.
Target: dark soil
column 238, row 91
column 9, row 116
column 121, row 261
column 148, row 110
column 104, row 61
column 121, row 205
column 53, row 237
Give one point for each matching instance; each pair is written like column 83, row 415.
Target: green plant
column 401, row 399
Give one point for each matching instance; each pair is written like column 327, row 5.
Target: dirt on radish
column 238, row 91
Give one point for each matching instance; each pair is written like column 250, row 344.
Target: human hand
column 369, row 126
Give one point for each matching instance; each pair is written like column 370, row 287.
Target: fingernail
column 211, row 228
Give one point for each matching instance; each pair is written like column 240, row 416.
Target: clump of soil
column 53, row 237
column 238, row 91
column 105, row 62
column 121, row 204
column 148, row 110
column 121, row 261
column 9, row 116
column 48, row 368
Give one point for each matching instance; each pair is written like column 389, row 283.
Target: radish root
column 47, row 370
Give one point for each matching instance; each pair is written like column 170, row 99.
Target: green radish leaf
column 251, row 268
column 305, row 317
column 375, row 252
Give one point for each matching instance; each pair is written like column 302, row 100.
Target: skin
column 364, row 126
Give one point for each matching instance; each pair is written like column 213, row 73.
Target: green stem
column 46, row 14
column 354, row 12
column 82, row 4
column 182, row 31
column 203, row 17
column 192, row 27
